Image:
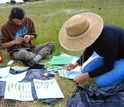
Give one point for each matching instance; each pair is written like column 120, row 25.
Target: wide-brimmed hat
column 80, row 31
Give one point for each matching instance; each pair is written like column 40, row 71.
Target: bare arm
column 18, row 40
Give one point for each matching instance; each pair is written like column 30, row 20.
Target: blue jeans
column 113, row 77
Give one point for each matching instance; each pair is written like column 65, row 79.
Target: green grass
column 49, row 16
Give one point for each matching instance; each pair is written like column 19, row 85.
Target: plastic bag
column 94, row 96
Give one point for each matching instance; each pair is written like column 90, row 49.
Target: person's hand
column 71, row 66
column 81, row 78
column 27, row 38
column 19, row 40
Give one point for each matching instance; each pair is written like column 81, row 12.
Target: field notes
column 61, row 60
column 47, row 89
column 18, row 91
column 22, row 91
column 77, row 71
column 70, row 74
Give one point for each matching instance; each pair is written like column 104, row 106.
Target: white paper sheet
column 18, row 91
column 73, row 73
column 4, row 71
column 68, row 74
column 16, row 77
column 47, row 89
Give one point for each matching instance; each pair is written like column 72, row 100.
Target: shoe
column 29, row 63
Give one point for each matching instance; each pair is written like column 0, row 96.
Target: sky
column 4, row 1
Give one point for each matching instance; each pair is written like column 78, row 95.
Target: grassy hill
column 49, row 16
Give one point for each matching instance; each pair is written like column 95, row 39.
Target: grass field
column 49, row 16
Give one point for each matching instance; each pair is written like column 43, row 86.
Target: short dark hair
column 17, row 12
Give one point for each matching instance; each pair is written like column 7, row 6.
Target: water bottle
column 48, row 74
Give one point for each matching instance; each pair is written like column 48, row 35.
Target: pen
column 81, row 67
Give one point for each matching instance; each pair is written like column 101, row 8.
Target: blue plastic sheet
column 94, row 96
column 34, row 72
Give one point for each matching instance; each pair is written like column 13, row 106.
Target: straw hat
column 80, row 31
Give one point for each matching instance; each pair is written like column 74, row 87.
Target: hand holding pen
column 27, row 38
column 71, row 66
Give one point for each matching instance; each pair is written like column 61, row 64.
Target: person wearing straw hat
column 88, row 31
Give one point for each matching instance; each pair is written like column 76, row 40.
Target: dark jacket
column 10, row 31
column 110, row 45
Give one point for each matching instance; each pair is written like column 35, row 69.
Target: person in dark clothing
column 16, row 36
column 87, row 31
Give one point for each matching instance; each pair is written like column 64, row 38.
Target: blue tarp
column 94, row 96
column 34, row 72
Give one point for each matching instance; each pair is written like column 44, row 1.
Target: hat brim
column 96, row 24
